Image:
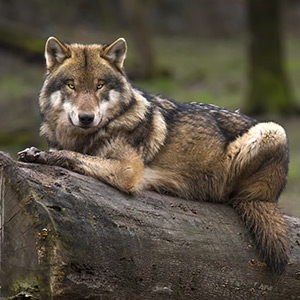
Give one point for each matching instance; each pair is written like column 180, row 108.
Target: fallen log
column 68, row 236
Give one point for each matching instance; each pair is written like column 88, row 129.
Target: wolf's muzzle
column 86, row 119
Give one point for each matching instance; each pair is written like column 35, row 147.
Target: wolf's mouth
column 83, row 126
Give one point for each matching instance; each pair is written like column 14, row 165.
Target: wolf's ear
column 55, row 52
column 115, row 53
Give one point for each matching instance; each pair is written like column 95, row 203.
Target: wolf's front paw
column 31, row 155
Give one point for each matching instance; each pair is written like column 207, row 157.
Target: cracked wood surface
column 67, row 236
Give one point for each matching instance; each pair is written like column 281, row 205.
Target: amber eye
column 99, row 86
column 71, row 86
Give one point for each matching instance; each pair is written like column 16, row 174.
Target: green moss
column 28, row 286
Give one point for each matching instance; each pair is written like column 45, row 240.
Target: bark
column 67, row 236
column 269, row 90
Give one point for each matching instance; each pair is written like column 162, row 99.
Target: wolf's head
column 85, row 86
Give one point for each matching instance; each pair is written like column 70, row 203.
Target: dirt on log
column 67, row 236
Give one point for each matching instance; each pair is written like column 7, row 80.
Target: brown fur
column 136, row 141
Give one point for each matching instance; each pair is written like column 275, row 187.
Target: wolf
column 98, row 124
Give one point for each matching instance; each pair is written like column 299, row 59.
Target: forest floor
column 206, row 70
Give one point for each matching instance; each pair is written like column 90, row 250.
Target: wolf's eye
column 71, row 86
column 99, row 86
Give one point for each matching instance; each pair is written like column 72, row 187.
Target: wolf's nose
column 86, row 119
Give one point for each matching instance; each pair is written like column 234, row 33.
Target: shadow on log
column 67, row 236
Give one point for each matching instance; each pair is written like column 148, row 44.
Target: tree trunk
column 137, row 24
column 67, row 236
column 269, row 90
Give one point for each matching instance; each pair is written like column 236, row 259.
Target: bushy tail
column 266, row 223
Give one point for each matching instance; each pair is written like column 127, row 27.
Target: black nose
column 86, row 119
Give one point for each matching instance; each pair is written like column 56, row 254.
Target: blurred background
column 240, row 54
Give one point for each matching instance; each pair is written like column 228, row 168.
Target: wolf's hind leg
column 260, row 167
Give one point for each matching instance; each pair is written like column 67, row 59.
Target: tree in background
column 137, row 24
column 269, row 89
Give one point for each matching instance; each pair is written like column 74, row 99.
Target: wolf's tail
column 267, row 225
